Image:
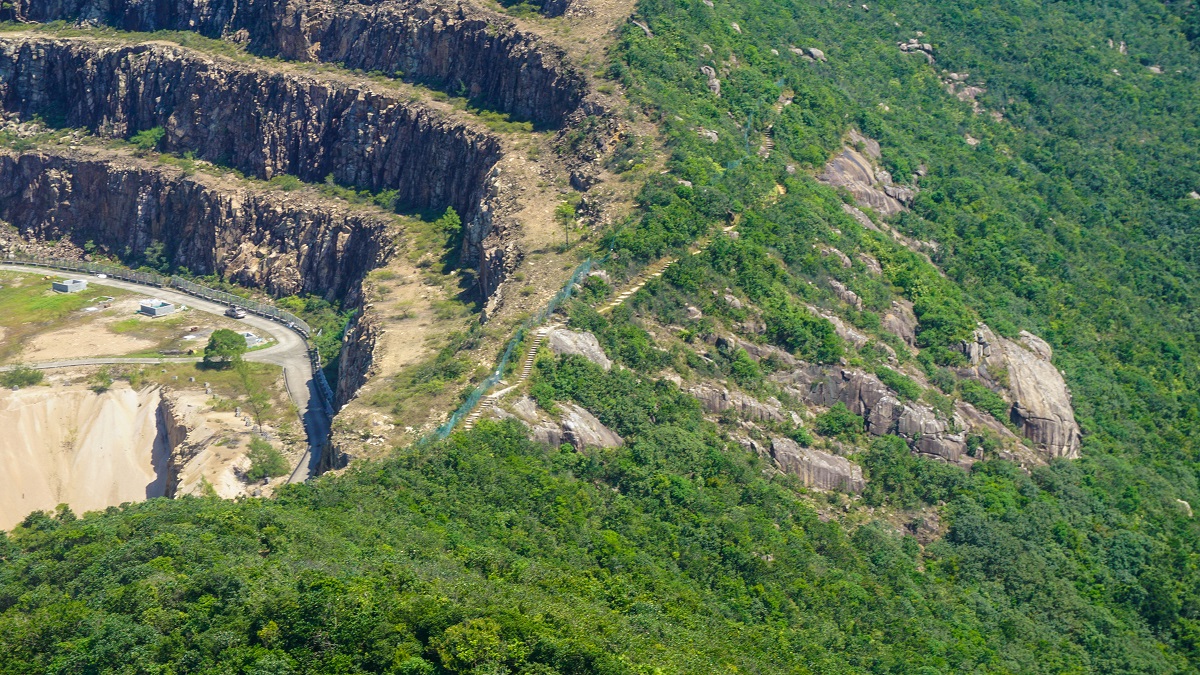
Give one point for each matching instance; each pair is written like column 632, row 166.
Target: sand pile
column 69, row 444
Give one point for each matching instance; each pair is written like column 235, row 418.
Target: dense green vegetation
column 487, row 553
column 677, row 552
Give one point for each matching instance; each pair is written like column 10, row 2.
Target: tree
column 265, row 461
column 224, row 348
column 257, row 399
column 155, row 257
column 564, row 213
column 148, row 139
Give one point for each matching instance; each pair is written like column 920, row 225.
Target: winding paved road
column 289, row 351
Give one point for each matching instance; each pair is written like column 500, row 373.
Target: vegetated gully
column 264, row 123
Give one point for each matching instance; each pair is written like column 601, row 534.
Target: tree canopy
column 225, row 347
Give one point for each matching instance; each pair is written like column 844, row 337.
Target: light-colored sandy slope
column 69, row 444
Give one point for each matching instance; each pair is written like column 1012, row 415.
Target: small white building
column 69, row 285
column 156, row 307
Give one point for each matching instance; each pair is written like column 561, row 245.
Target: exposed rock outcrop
column 464, row 49
column 843, row 329
column 177, row 420
column 541, row 430
column 285, row 243
column 845, row 294
column 714, row 84
column 719, row 399
column 260, row 122
column 870, row 186
column 582, row 430
column 884, row 413
column 578, row 427
column 754, row 349
column 816, row 468
column 562, row 341
column 356, row 363
column 901, row 321
column 1023, row 373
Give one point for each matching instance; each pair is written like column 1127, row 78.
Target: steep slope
column 893, row 369
column 285, row 244
column 259, row 122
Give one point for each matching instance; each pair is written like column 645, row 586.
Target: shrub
column 101, row 381
column 839, row 422
column 903, row 385
column 809, row 337
column 20, row 376
column 985, row 399
column 265, row 461
column 287, row 182
column 148, row 139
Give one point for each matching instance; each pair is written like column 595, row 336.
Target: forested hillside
column 1053, row 151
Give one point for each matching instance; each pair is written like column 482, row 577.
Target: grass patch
column 29, row 307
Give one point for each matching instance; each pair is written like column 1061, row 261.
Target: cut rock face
column 260, row 122
column 286, row 244
column 816, row 468
column 464, row 49
column 1022, row 371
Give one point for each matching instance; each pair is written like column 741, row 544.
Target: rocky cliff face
column 719, row 399
column 285, row 243
column 1022, row 372
column 357, row 359
column 175, row 424
column 884, row 413
column 462, row 49
column 262, row 123
column 816, row 468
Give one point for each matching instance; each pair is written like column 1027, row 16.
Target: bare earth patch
column 81, row 342
column 223, row 440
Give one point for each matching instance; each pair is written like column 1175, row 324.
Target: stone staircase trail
column 768, row 143
column 490, row 400
column 658, row 269
column 653, row 272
